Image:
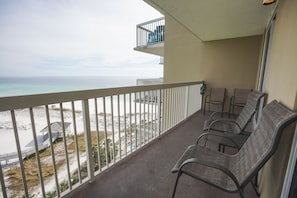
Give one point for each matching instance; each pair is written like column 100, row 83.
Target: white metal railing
column 106, row 126
column 151, row 32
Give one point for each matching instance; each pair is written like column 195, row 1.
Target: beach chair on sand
column 232, row 173
column 237, row 127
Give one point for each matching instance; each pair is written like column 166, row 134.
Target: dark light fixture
column 268, row 2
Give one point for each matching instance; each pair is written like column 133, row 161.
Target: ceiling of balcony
column 217, row 19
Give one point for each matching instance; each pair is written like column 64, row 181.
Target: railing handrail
column 151, row 21
column 129, row 118
column 20, row 102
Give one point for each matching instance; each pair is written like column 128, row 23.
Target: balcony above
column 150, row 37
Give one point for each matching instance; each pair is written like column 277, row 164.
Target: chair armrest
column 209, row 121
column 211, row 165
column 221, row 135
column 224, row 120
column 212, row 115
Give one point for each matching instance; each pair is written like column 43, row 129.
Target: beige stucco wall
column 235, row 63
column 231, row 63
column 281, row 85
column 182, row 51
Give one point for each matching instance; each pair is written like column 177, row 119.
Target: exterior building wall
column 230, row 63
column 235, row 63
column 281, row 85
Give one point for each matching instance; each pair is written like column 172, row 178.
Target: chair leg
column 175, row 185
column 232, row 109
column 222, row 110
column 255, row 188
column 241, row 193
column 204, row 106
column 221, row 148
column 255, row 185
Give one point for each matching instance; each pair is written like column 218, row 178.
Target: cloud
column 73, row 37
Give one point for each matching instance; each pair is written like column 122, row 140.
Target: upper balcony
column 150, row 37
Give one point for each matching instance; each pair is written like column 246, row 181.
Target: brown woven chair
column 232, row 173
column 236, row 127
column 238, row 99
column 215, row 97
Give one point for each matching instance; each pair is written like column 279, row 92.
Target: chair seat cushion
column 204, row 173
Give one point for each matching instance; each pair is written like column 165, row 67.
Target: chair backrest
column 217, row 94
column 249, row 109
column 263, row 141
column 240, row 95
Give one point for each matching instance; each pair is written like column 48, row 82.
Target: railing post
column 88, row 140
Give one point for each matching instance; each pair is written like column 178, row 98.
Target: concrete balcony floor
column 147, row 172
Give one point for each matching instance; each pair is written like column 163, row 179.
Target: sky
column 74, row 38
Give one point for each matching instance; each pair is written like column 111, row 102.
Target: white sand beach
column 24, row 126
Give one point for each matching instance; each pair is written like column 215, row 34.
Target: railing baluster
column 88, row 140
column 76, row 142
column 186, row 107
column 172, row 108
column 144, row 117
column 166, row 112
column 97, row 134
column 175, row 98
column 135, row 121
column 183, row 96
column 168, row 105
column 52, row 150
column 177, row 109
column 119, row 127
column 140, row 121
column 17, row 141
column 65, row 146
column 37, row 153
column 152, row 114
column 105, row 135
column 112, row 129
column 148, row 115
column 130, row 119
column 125, row 125
column 157, row 106
column 3, row 187
column 178, row 100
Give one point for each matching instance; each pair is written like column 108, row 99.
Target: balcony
column 151, row 36
column 76, row 138
column 147, row 172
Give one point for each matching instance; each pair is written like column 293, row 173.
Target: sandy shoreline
column 24, row 126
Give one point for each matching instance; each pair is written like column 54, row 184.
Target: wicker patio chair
column 236, row 128
column 238, row 99
column 215, row 97
column 232, row 173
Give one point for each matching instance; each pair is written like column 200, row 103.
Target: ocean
column 15, row 86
